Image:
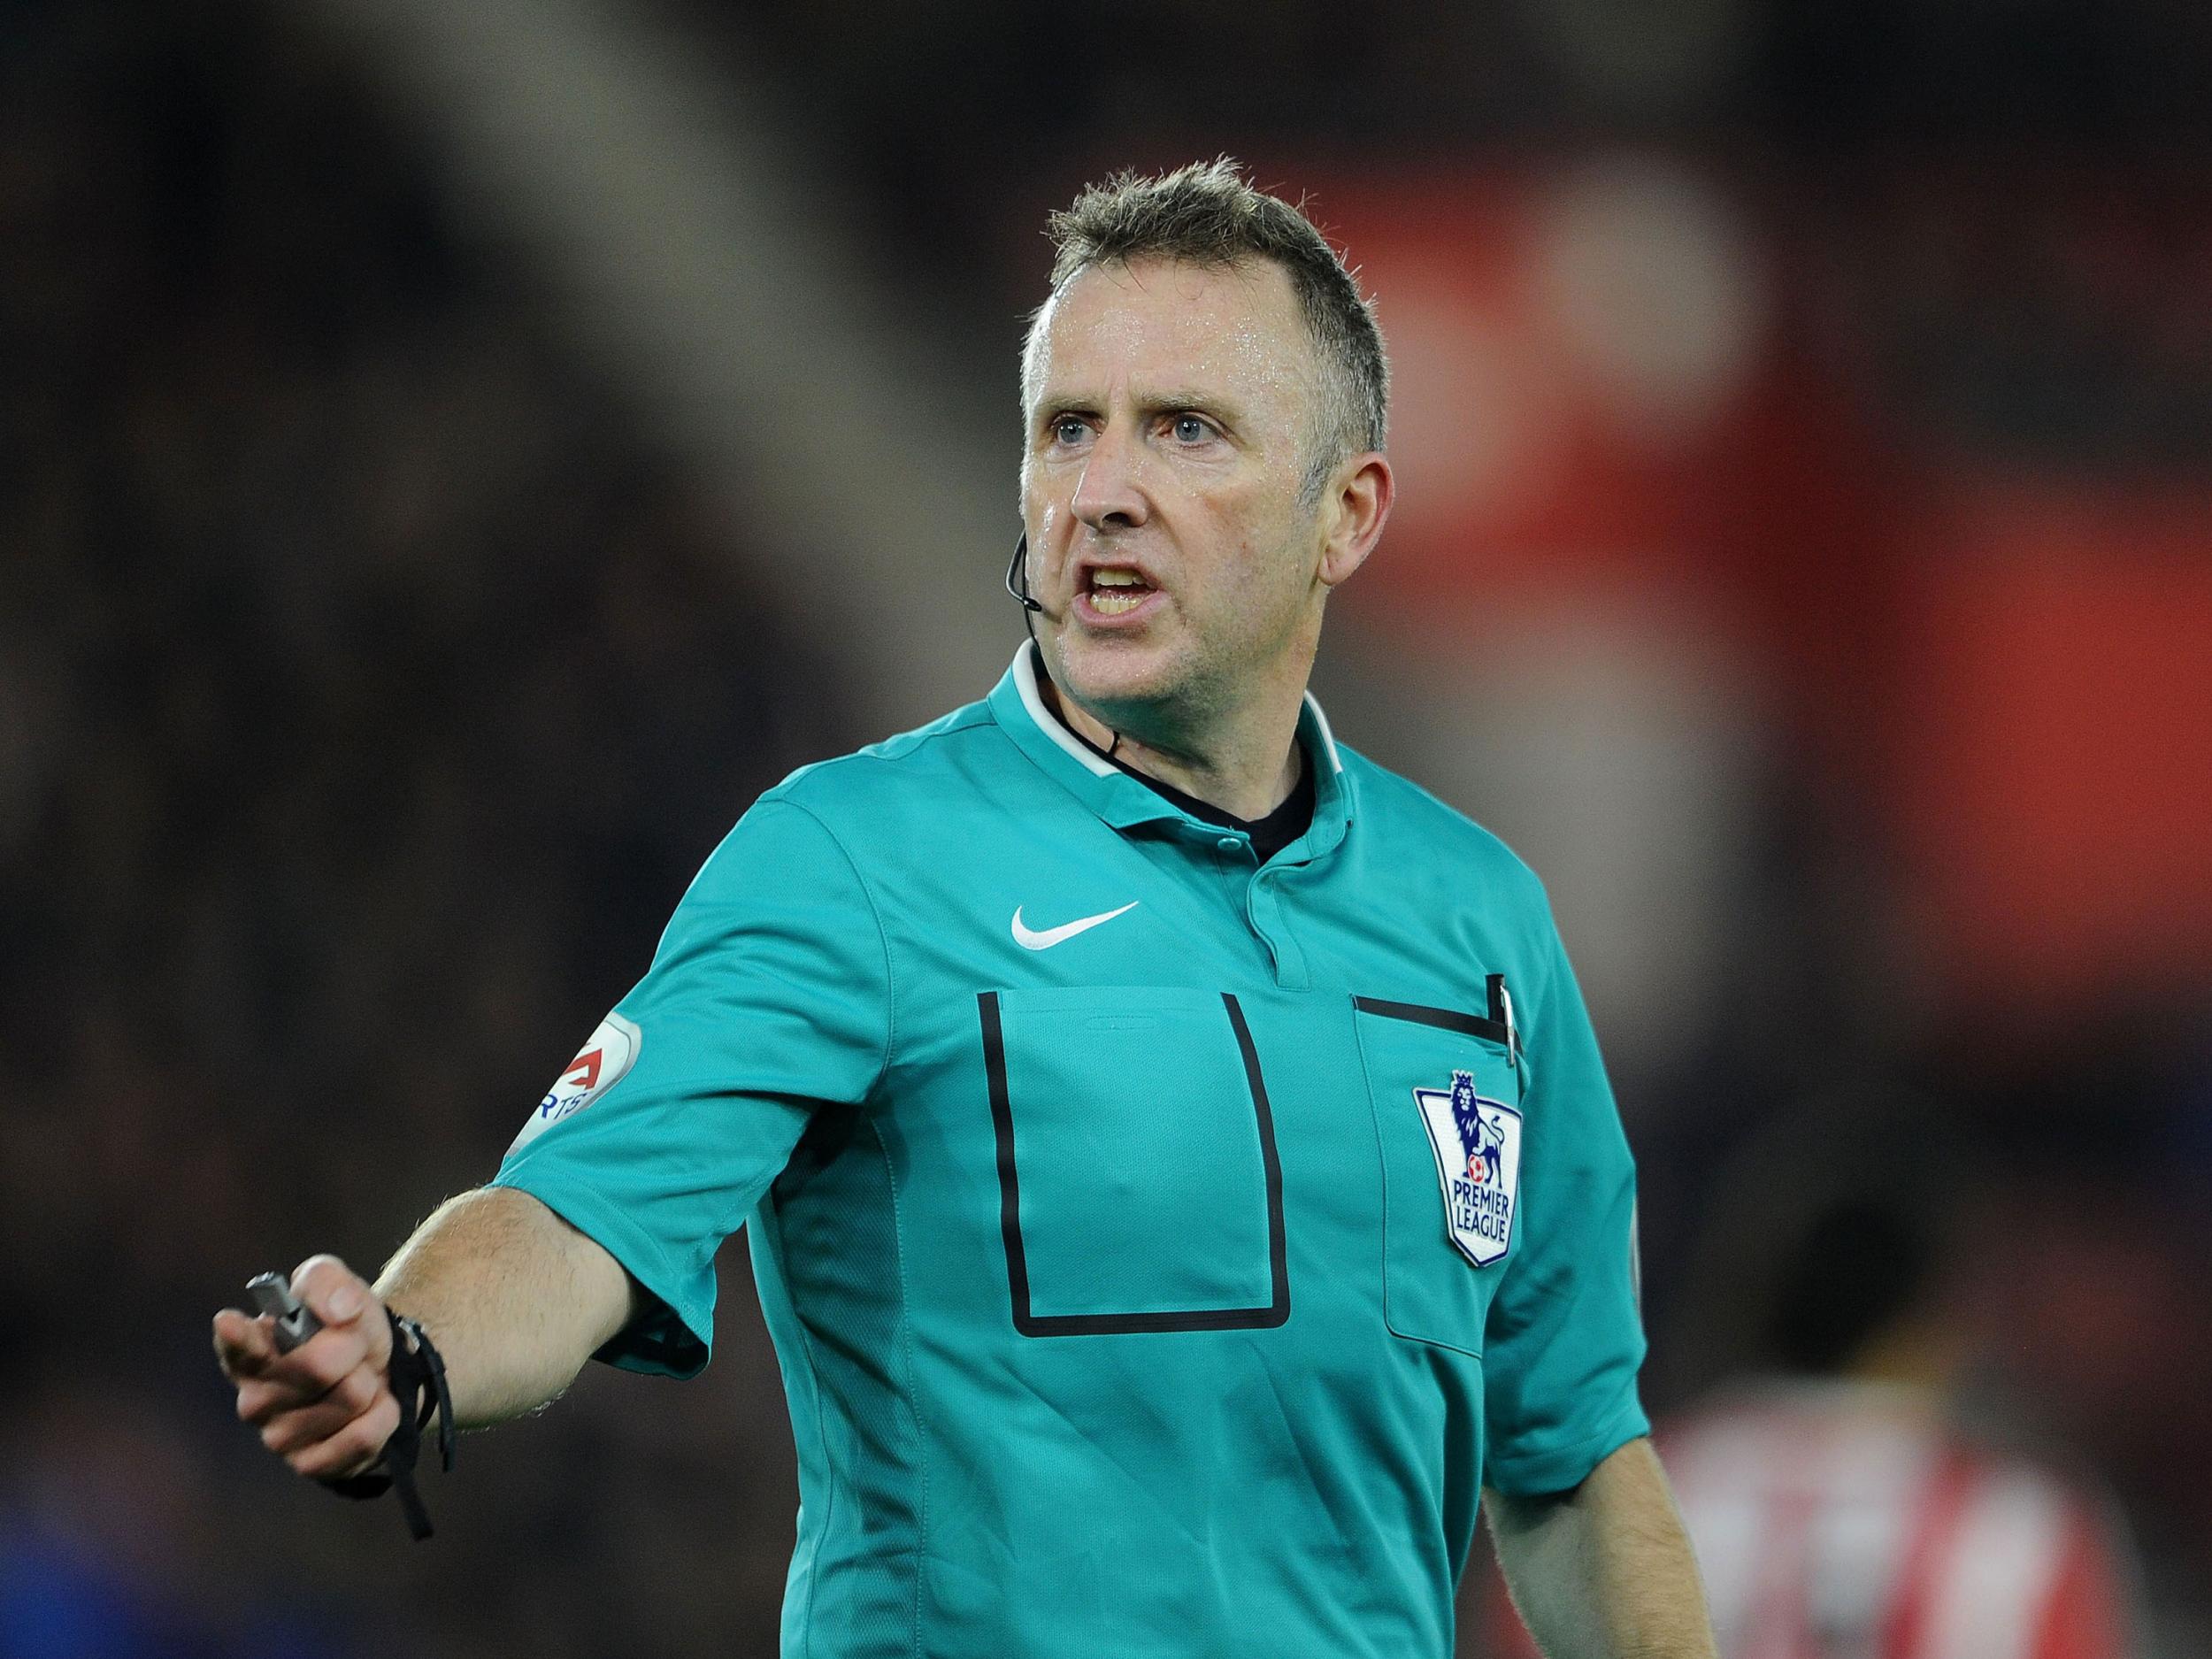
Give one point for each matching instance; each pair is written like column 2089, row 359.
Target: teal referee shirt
column 1161, row 1247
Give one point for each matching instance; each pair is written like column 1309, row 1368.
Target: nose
column 1110, row 495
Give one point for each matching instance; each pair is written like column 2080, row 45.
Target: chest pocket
column 1445, row 1085
column 1139, row 1186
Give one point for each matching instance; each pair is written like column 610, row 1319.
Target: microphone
column 1019, row 570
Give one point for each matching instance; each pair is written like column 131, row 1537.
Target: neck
column 1921, row 1352
column 1246, row 764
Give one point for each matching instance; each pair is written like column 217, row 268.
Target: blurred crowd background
column 449, row 464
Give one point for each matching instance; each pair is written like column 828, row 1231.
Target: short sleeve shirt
column 1162, row 1247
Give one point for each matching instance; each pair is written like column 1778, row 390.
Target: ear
column 1352, row 515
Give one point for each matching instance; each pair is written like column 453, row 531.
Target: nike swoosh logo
column 1029, row 939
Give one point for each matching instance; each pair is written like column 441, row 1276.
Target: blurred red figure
column 1850, row 1517
column 1841, row 1502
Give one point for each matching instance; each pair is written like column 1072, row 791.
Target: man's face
column 1171, row 413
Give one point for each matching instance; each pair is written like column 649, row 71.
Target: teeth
column 1116, row 590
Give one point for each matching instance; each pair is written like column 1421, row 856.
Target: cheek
column 1277, row 579
column 1261, row 549
column 1041, row 506
column 1043, row 478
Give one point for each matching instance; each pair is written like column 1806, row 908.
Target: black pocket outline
column 1275, row 1313
column 1497, row 1028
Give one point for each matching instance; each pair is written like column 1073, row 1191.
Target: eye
column 1192, row 428
column 1069, row 429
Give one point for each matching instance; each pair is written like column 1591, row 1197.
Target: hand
column 326, row 1407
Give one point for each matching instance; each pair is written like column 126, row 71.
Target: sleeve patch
column 603, row 1062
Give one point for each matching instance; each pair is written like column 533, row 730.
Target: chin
column 1102, row 673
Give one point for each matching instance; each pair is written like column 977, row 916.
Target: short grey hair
column 1208, row 213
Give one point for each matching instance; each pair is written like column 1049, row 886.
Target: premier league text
column 1482, row 1210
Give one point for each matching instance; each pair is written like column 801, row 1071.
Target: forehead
column 1153, row 323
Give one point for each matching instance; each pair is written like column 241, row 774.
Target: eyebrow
column 1228, row 412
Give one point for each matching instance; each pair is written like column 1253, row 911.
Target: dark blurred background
column 451, row 459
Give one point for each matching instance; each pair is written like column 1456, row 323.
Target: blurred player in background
column 1179, row 1175
column 1847, row 1503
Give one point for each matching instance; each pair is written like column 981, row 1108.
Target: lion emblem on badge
column 1481, row 1138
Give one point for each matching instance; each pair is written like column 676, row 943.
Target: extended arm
column 515, row 1298
column 1604, row 1571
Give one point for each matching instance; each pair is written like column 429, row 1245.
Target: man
column 1177, row 1168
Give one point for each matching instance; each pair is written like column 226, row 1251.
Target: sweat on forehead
column 1238, row 318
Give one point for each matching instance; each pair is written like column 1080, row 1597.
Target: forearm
column 1605, row 1572
column 515, row 1298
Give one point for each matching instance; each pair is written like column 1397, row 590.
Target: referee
column 1179, row 1175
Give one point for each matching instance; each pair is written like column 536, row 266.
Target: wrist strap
column 417, row 1379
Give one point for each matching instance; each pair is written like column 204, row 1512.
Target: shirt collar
column 1017, row 703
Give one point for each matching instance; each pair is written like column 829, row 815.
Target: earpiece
column 1020, row 571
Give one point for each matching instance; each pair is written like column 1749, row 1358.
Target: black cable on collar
column 417, row 1379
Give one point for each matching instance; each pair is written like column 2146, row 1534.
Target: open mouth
column 1115, row 590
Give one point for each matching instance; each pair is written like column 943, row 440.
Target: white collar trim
column 1328, row 738
column 1049, row 723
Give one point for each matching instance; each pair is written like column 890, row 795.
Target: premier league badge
column 1477, row 1144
